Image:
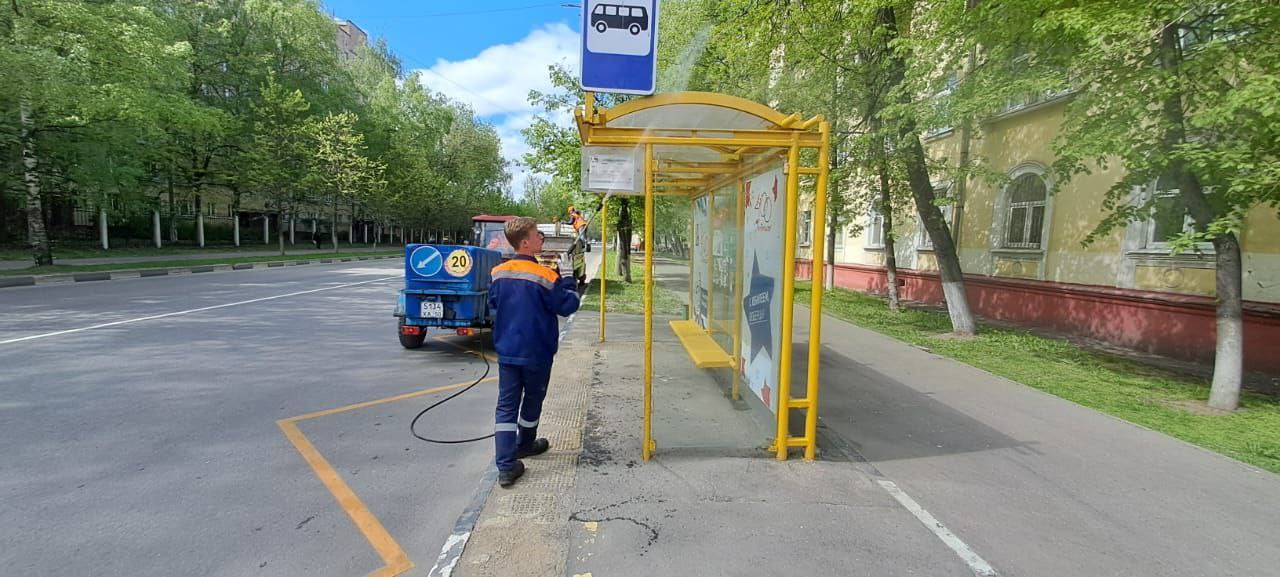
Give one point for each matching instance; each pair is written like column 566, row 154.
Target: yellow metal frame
column 741, row 153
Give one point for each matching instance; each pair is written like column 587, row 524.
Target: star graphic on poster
column 757, row 307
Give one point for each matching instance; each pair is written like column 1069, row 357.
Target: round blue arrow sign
column 426, row 261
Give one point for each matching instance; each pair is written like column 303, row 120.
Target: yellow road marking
column 443, row 339
column 392, row 554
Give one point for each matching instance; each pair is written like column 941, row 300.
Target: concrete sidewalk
column 927, row 467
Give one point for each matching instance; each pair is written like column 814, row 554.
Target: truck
column 562, row 248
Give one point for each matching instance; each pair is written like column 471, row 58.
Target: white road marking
column 979, row 566
column 187, row 312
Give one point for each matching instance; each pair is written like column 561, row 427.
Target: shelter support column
column 739, row 220
column 711, row 262
column 648, row 444
column 782, row 441
column 815, row 304
column 693, row 247
column 604, row 260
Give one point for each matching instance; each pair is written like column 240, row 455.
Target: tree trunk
column 280, row 227
column 1228, row 365
column 333, row 229
column 913, row 156
column 624, row 240
column 173, row 214
column 890, row 248
column 37, row 235
column 104, row 234
column 944, row 249
column 155, row 227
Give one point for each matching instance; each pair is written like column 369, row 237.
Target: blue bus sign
column 620, row 46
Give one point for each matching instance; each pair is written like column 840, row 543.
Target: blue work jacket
column 527, row 298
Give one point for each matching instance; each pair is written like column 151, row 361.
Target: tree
column 79, row 75
column 279, row 158
column 908, row 72
column 1174, row 93
column 339, row 163
column 557, row 151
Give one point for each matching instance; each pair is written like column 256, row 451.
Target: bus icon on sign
column 633, row 19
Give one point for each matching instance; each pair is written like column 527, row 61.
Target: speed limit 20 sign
column 458, row 263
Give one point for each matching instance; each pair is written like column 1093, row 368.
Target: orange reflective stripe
column 526, row 267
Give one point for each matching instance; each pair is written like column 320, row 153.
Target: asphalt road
column 151, row 447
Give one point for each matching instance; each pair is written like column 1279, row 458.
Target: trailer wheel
column 410, row 341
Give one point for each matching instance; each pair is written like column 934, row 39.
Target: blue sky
column 487, row 54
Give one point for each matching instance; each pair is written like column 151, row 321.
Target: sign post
column 620, row 46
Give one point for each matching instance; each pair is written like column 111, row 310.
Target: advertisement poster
column 701, row 258
column 724, row 248
column 764, row 199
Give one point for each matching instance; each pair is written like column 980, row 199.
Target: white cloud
column 496, row 85
column 498, row 80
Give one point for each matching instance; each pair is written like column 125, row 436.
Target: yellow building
column 1023, row 254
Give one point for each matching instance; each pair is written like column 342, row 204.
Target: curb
column 79, row 277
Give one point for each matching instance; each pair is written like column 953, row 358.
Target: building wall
column 350, row 38
column 1117, row 288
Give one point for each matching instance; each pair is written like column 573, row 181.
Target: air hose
column 414, row 424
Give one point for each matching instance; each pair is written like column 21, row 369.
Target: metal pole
column 155, row 227
column 200, row 228
column 266, row 229
column 648, row 444
column 737, row 294
column 604, row 261
column 235, row 227
column 788, row 295
column 711, row 259
column 815, row 304
column 693, row 251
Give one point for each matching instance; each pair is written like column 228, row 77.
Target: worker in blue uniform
column 527, row 298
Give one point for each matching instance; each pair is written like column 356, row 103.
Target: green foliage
column 134, row 102
column 1216, row 64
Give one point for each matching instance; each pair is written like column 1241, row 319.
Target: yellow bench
column 702, row 349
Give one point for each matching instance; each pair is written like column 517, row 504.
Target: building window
column 1024, row 217
column 211, row 209
column 840, row 233
column 940, row 192
column 806, row 228
column 941, row 102
column 1169, row 215
column 875, row 229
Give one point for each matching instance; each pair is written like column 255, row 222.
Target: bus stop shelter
column 739, row 165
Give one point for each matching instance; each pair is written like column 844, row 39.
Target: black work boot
column 537, row 447
column 508, row 478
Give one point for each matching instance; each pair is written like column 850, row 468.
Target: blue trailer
column 446, row 287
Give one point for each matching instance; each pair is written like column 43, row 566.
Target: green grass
column 94, row 251
column 1120, row 387
column 248, row 258
column 628, row 298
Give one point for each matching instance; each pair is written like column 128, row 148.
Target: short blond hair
column 518, row 229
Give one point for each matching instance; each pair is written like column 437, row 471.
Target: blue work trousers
column 521, row 390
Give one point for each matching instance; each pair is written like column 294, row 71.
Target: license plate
column 432, row 310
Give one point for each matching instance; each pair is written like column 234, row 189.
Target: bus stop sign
column 620, row 46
